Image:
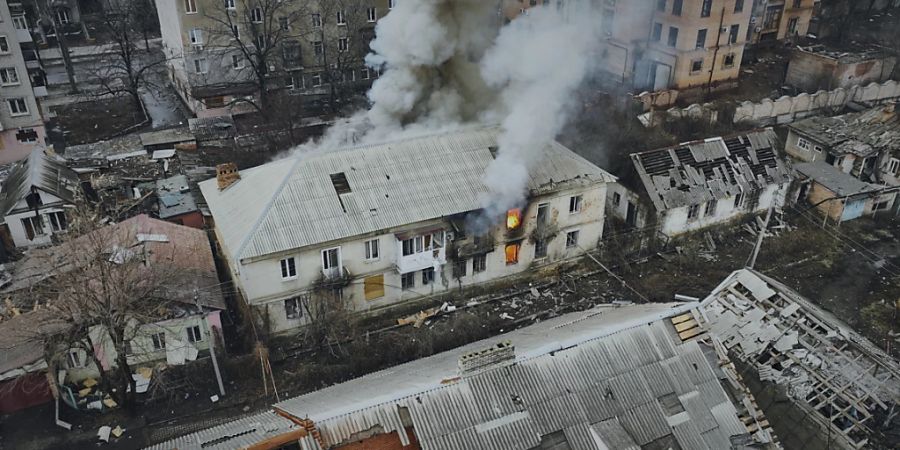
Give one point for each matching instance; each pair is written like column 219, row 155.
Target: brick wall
column 387, row 441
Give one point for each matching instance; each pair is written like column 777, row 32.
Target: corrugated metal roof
column 842, row 184
column 40, row 171
column 233, row 435
column 293, row 202
column 558, row 384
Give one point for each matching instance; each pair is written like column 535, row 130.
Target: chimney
column 500, row 355
column 227, row 174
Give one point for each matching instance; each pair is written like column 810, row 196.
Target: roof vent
column 341, row 185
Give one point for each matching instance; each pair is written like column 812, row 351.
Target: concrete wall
column 811, row 71
column 788, row 109
column 675, row 221
column 13, row 149
column 262, row 285
column 620, row 210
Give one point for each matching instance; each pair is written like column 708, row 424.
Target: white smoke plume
column 448, row 63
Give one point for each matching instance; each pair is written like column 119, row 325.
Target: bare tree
column 345, row 45
column 127, row 70
column 257, row 32
column 106, row 285
column 46, row 13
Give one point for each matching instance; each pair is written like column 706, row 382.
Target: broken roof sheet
column 240, row 433
column 696, row 172
column 846, row 56
column 42, row 171
column 175, row 197
column 598, row 373
column 171, row 137
column 871, row 130
column 110, row 149
column 830, row 369
column 842, row 184
column 292, row 203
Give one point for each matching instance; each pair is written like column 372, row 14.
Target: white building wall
column 675, row 221
column 620, row 209
column 263, row 286
column 17, row 229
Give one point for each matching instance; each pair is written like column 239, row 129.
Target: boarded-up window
column 374, row 287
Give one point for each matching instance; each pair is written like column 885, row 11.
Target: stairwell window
column 17, row 106
column 196, row 36
column 343, row 44
column 479, row 263
column 317, row 20
column 371, row 14
column 229, row 4
column 190, row 6
column 288, row 268
column 427, row 276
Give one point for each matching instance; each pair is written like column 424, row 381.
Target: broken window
column 657, row 32
column 288, row 268
column 893, row 166
column 706, row 8
column 540, row 248
column 33, row 227
column 74, row 359
column 693, row 212
column 427, row 276
column 572, row 239
column 408, row 247
column 512, row 253
column 711, row 207
column 292, row 308
column 513, row 218
column 802, row 143
column 728, row 61
column 194, row 334
column 372, row 250
column 159, row 340
column 542, row 214
column 673, row 36
column 739, row 200
column 696, row 65
column 26, row 135
column 479, row 263
column 617, row 198
column 373, row 287
column 408, row 281
column 331, row 259
column 341, row 185
column 574, row 204
column 733, row 33
column 459, row 269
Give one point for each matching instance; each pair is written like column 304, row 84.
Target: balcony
column 423, row 260
column 40, row 91
column 335, row 277
column 23, row 36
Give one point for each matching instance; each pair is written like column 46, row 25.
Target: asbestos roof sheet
column 240, row 433
column 293, row 203
column 871, row 130
column 716, row 168
column 42, row 171
column 171, row 136
column 842, row 184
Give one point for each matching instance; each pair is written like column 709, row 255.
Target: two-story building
column 700, row 184
column 381, row 224
column 777, row 20
column 305, row 44
column 21, row 82
column 863, row 145
column 35, row 197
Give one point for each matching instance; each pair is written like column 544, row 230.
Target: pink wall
column 13, row 150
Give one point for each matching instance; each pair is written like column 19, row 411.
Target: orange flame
column 513, row 218
column 512, row 253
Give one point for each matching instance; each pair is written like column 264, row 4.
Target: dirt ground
column 96, row 120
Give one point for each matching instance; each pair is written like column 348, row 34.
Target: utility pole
column 759, row 239
column 212, row 346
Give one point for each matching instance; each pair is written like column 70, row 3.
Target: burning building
column 381, row 224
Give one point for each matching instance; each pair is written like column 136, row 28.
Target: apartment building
column 21, row 82
column 777, row 20
column 379, row 225
column 664, row 44
column 309, row 47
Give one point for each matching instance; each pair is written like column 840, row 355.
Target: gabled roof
column 40, row 171
column 865, row 132
column 164, row 242
column 293, row 203
column 715, row 168
column 608, row 378
column 22, row 338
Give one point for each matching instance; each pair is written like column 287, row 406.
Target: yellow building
column 777, row 20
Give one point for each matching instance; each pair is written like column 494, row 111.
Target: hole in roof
column 341, row 185
column 493, row 150
column 387, row 176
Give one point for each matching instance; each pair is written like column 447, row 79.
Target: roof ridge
column 265, row 211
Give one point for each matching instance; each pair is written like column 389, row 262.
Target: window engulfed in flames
column 512, row 253
column 513, row 218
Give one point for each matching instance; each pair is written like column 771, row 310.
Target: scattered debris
column 103, row 433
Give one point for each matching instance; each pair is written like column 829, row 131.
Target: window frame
column 4, row 44
column 372, row 14
column 327, row 263
column 428, row 276
column 702, row 37
column 158, row 340
column 57, row 225
column 576, row 204
column 256, row 15
column 288, row 268
column 24, row 111
column 693, row 212
column 295, row 305
column 229, row 4
column 893, row 166
column 803, row 143
column 341, row 18
column 572, row 238
column 194, row 334
column 369, row 246
column 407, row 281
column 672, row 40
column 479, row 264
column 6, row 80
column 190, row 6
column 710, row 208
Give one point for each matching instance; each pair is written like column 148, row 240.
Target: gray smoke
column 448, row 63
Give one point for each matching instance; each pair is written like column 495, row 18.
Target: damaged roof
column 615, row 377
column 842, row 379
column 859, row 133
column 848, row 55
column 175, row 197
column 716, row 168
column 240, row 433
column 293, row 203
column 841, row 183
column 39, row 171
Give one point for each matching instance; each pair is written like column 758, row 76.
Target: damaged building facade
column 844, row 383
column 701, row 184
column 380, row 224
column 817, row 67
column 614, row 377
column 863, row 147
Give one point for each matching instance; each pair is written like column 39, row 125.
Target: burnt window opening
column 341, row 185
